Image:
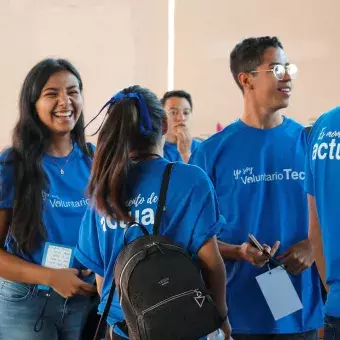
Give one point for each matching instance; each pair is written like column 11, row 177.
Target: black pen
column 274, row 260
column 258, row 245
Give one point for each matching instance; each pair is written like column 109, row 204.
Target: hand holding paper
column 62, row 278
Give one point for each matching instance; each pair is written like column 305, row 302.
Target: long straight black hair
column 31, row 139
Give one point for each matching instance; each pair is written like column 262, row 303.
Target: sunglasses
column 280, row 71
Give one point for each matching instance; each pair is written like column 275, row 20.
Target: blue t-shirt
column 258, row 176
column 64, row 202
column 322, row 182
column 171, row 153
column 191, row 218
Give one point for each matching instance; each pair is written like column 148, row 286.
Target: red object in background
column 219, row 127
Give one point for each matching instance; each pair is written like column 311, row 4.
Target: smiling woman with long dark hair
column 43, row 178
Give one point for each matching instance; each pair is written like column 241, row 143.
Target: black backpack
column 161, row 290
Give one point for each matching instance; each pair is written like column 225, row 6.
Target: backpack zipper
column 174, row 297
column 130, row 259
column 126, row 264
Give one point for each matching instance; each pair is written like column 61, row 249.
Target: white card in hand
column 57, row 256
column 279, row 292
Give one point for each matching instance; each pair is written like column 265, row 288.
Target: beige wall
column 115, row 43
column 207, row 30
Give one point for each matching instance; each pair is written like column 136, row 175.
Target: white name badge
column 279, row 292
column 58, row 257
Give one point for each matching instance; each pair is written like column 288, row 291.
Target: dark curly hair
column 248, row 55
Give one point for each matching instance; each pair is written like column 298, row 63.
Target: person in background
column 323, row 188
column 179, row 144
column 43, row 178
column 257, row 167
column 124, row 187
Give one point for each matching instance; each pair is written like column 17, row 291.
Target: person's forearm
column 14, row 268
column 316, row 240
column 315, row 237
column 229, row 251
column 99, row 280
column 215, row 279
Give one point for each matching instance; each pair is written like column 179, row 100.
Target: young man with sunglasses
column 257, row 167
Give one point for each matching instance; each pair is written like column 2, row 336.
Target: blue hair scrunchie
column 145, row 124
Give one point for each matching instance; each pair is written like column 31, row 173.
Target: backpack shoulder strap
column 158, row 220
column 102, row 320
column 162, row 198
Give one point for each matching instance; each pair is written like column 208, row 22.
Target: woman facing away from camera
column 43, row 179
column 125, row 183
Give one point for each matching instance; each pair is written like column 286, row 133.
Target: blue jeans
column 312, row 335
column 332, row 328
column 22, row 310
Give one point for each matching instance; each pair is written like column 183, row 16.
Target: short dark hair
column 248, row 54
column 177, row 93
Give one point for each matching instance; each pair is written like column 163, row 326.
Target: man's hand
column 298, row 257
column 255, row 256
column 184, row 141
